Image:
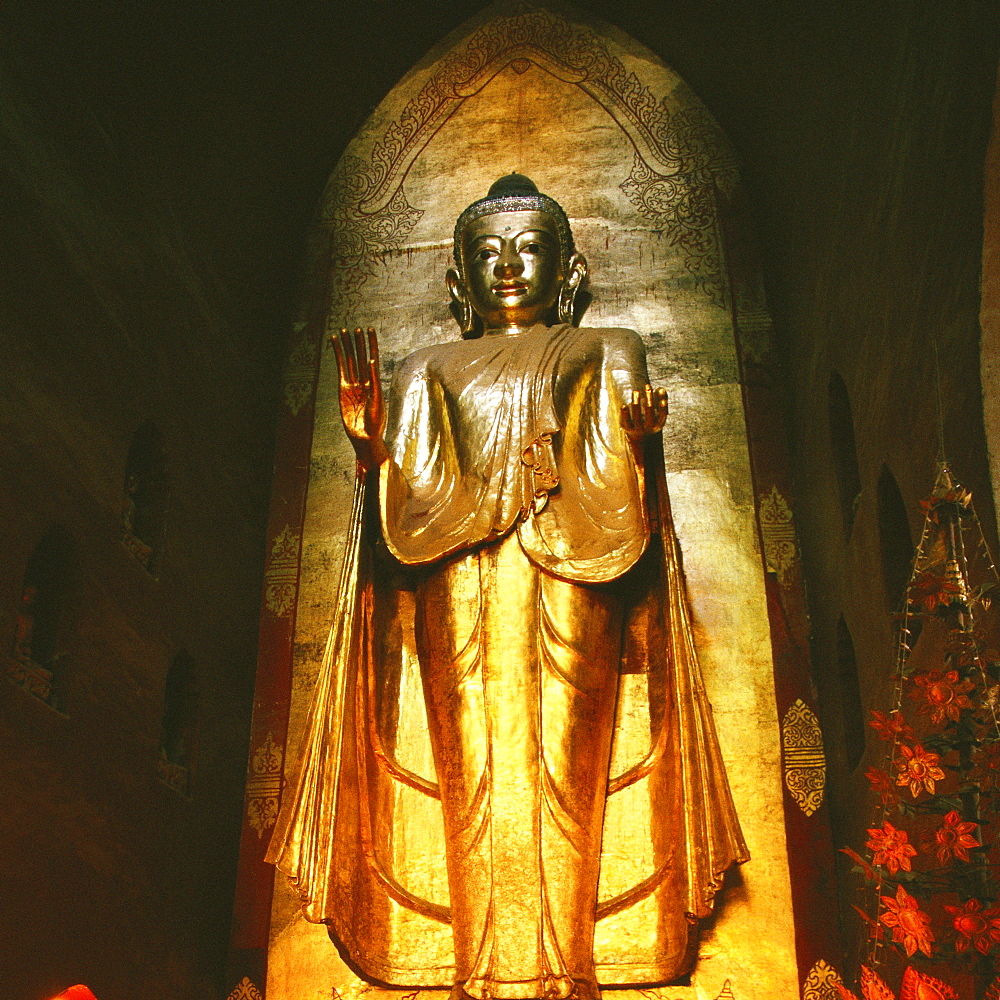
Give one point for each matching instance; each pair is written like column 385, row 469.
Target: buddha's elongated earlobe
column 456, row 289
column 576, row 271
column 467, row 319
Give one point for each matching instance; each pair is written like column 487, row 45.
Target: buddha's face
column 513, row 268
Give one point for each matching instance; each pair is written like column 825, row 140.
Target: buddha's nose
column 509, row 263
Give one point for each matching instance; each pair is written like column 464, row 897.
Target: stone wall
column 109, row 318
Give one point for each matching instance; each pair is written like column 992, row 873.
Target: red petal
column 919, row 986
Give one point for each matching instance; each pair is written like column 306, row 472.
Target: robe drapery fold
column 510, row 774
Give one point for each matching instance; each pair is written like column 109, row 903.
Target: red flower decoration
column 958, row 498
column 942, row 694
column 910, row 925
column 954, row 838
column 930, row 590
column 892, row 848
column 915, row 986
column 882, row 783
column 975, row 926
column 918, row 769
column 892, row 726
column 920, row 986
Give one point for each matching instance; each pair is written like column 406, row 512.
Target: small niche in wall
column 851, row 707
column 178, row 730
column 895, row 543
column 845, row 454
column 36, row 656
column 145, row 497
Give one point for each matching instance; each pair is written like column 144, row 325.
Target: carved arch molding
column 384, row 227
column 682, row 160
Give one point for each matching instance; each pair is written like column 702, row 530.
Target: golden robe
column 521, row 572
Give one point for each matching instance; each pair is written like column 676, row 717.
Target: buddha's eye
column 534, row 248
column 486, row 253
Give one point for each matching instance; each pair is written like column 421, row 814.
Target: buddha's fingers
column 373, row 348
column 338, row 350
column 626, row 418
column 637, row 415
column 360, row 355
column 659, row 409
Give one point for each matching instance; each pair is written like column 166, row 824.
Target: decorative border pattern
column 821, row 983
column 777, row 529
column 300, row 370
column 245, row 990
column 805, row 762
column 281, row 575
column 264, row 783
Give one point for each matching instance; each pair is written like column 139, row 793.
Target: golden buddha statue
column 521, row 559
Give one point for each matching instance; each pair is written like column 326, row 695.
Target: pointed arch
column 649, row 184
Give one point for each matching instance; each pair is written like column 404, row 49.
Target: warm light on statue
column 522, row 558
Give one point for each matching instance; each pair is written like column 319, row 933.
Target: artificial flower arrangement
column 931, row 857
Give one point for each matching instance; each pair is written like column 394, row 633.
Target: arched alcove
column 844, row 449
column 851, row 706
column 145, row 497
column 179, row 724
column 40, row 616
column 895, row 541
column 650, row 188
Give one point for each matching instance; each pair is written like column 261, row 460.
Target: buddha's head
column 515, row 259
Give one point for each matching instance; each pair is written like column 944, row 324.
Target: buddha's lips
column 510, row 287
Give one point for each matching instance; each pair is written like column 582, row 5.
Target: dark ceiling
column 234, row 113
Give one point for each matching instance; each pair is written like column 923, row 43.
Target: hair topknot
column 515, row 193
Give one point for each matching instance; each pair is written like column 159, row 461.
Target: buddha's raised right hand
column 361, row 405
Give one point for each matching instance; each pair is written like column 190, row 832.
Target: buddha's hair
column 515, row 193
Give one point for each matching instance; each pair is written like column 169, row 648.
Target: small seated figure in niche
column 522, row 503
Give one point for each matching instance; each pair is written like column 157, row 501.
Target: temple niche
column 651, row 189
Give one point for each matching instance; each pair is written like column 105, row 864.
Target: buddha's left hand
column 646, row 413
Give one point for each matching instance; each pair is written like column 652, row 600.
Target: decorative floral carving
column 264, row 784
column 684, row 207
column 300, row 371
column 281, row 575
column 245, row 990
column 777, row 528
column 805, row 763
column 821, row 983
